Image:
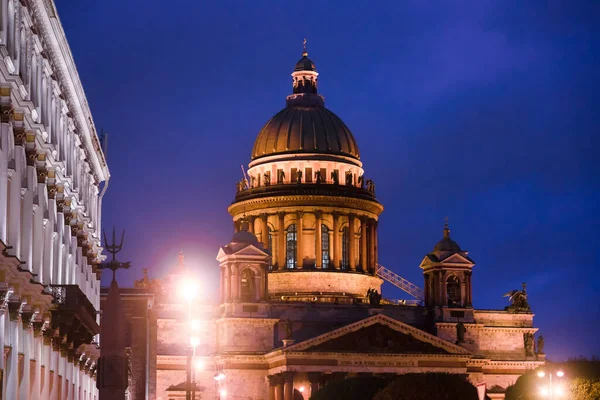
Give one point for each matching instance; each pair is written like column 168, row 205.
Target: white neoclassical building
column 52, row 177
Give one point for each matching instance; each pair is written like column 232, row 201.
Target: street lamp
column 188, row 291
column 553, row 390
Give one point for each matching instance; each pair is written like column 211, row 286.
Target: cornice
column 263, row 204
column 62, row 59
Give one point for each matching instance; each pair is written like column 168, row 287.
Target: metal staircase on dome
column 400, row 282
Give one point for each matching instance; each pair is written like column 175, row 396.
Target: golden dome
column 305, row 129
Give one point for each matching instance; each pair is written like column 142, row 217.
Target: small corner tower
column 244, row 262
column 244, row 310
column 447, row 272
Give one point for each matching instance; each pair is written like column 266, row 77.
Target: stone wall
column 326, row 282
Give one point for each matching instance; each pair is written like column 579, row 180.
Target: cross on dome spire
column 304, row 53
column 446, row 229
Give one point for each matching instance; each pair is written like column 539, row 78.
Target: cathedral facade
column 300, row 285
column 52, row 171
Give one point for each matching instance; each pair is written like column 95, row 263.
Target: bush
column 430, row 386
column 358, row 388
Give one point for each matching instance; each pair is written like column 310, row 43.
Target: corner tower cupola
column 447, row 272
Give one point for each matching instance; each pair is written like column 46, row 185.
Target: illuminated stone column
column 371, row 260
column 319, row 240
column 272, row 387
column 265, row 231
column 281, row 228
column 444, row 300
column 289, row 386
column 279, row 391
column 227, row 296
column 251, row 224
column 363, row 244
column 300, row 240
column 352, row 243
column 335, row 246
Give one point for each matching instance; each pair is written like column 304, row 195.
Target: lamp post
column 554, row 390
column 189, row 291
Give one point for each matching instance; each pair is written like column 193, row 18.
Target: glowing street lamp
column 553, row 390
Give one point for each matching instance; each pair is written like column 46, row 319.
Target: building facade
column 52, row 176
column 300, row 285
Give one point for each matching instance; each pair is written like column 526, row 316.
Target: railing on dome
column 314, row 189
column 401, row 302
column 400, row 282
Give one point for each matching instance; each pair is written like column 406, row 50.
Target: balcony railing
column 304, row 189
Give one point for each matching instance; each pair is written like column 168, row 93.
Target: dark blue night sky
column 485, row 112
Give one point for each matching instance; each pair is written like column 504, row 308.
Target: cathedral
column 300, row 286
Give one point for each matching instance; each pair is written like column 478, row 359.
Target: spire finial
column 446, row 229
column 304, row 53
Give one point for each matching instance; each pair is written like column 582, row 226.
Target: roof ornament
column 113, row 249
column 304, row 53
column 446, row 229
column 180, row 258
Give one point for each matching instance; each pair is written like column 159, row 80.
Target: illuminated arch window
column 453, row 291
column 324, row 246
column 345, row 248
column 291, row 244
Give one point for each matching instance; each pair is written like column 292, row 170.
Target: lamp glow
column 219, row 376
column 223, row 393
column 560, row 374
column 194, row 324
column 301, row 389
column 541, row 374
column 199, row 365
column 194, row 341
column 189, row 290
column 544, row 392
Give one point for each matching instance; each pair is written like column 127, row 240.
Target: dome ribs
column 305, row 129
column 292, row 140
column 277, row 137
column 334, row 131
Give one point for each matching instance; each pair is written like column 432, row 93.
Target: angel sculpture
column 518, row 299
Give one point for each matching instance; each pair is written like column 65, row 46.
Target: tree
column 358, row 388
column 430, row 386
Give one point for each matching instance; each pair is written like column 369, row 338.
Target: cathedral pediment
column 378, row 334
column 457, row 258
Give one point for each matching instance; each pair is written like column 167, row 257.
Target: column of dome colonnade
column 307, row 200
column 322, row 248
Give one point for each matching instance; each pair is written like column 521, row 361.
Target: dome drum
column 308, row 202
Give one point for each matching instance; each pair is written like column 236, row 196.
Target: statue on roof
column 518, row 299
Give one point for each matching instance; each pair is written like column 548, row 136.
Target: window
column 453, row 291
column 325, row 246
column 248, row 289
column 308, row 178
column 345, row 248
column 291, row 241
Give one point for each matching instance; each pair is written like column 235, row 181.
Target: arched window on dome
column 453, row 291
column 248, row 286
column 291, row 244
column 345, row 262
column 325, row 246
